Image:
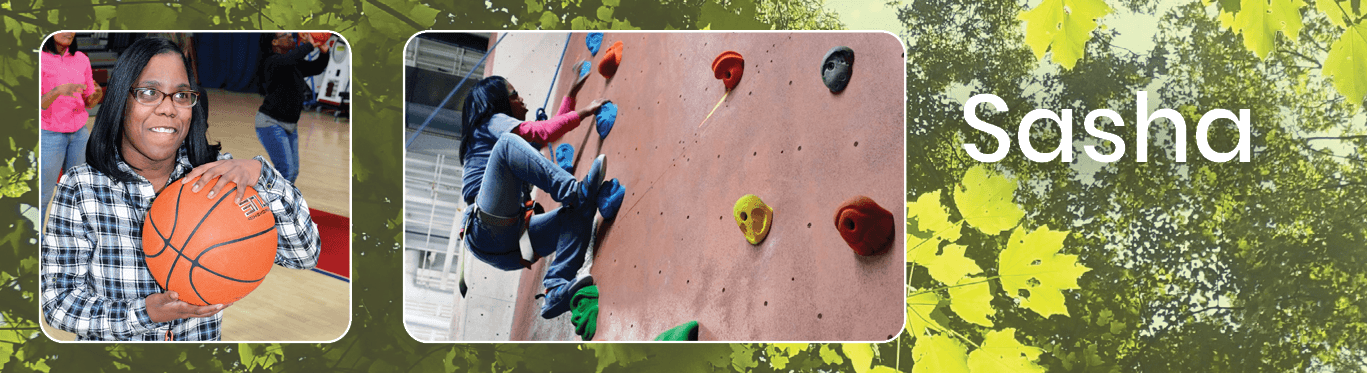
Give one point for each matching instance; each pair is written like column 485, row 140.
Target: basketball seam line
column 181, row 254
column 166, row 241
column 196, row 264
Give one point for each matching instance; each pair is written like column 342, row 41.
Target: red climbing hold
column 611, row 59
column 865, row 226
column 728, row 67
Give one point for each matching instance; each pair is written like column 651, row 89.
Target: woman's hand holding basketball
column 321, row 45
column 163, row 307
column 243, row 172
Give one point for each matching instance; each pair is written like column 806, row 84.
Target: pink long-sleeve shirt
column 545, row 131
column 66, row 114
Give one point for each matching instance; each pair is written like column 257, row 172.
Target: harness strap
column 529, row 208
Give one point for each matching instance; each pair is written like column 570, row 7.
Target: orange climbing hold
column 728, row 67
column 865, row 226
column 611, row 59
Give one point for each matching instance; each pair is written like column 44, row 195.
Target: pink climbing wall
column 675, row 254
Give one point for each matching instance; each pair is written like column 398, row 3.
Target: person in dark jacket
column 282, row 79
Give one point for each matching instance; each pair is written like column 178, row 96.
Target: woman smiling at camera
column 150, row 132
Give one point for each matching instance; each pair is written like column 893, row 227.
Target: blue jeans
column 59, row 151
column 283, row 147
column 564, row 231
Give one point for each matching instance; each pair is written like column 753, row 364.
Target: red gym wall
column 674, row 253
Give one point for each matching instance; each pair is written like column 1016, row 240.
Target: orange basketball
column 210, row 251
column 320, row 37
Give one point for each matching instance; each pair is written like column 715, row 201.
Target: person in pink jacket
column 68, row 90
column 501, row 164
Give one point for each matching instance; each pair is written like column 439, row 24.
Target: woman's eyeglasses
column 152, row 96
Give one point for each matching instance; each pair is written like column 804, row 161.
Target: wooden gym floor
column 290, row 305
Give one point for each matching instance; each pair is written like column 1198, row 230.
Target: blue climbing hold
column 594, row 40
column 584, row 69
column 564, row 156
column 607, row 115
column 610, row 197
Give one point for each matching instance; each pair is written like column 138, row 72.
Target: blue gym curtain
column 228, row 60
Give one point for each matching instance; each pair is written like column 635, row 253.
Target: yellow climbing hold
column 753, row 217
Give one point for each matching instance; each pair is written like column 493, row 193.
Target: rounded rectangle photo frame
column 700, row 186
column 266, row 265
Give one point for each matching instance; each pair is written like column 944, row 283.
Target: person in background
column 68, row 90
column 282, row 79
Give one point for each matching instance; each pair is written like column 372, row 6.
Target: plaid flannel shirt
column 94, row 279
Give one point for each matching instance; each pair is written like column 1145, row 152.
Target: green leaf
column 1260, row 21
column 622, row 355
column 780, row 353
column 1229, row 5
column 623, row 24
column 743, row 357
column 829, row 356
column 777, row 359
column 1334, row 9
column 9, row 339
column 423, row 15
column 582, row 23
column 549, row 21
column 1000, row 352
column 860, row 354
column 1345, row 62
column 449, row 363
column 605, row 13
column 883, row 369
column 985, row 198
column 939, row 354
column 244, row 352
column 791, row 349
column 971, row 299
column 1062, row 26
column 1031, row 262
column 932, row 223
column 951, row 265
column 13, row 182
column 921, row 313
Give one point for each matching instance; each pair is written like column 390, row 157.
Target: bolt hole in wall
column 786, row 105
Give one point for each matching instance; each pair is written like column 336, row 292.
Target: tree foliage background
column 1224, row 266
column 1235, row 267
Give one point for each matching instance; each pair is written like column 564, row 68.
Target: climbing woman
column 500, row 167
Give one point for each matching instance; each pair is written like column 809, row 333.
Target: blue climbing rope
column 427, row 121
column 541, row 113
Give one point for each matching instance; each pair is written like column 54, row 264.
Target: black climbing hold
column 837, row 67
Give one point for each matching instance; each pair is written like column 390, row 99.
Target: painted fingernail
column 195, row 189
column 211, row 194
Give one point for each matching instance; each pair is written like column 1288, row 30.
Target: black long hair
column 103, row 150
column 488, row 97
column 266, row 50
column 50, row 46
